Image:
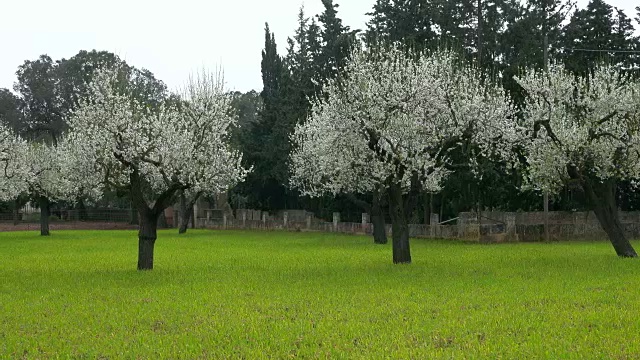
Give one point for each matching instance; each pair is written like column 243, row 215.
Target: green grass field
column 256, row 295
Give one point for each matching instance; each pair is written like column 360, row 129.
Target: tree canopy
column 154, row 153
column 583, row 129
column 391, row 123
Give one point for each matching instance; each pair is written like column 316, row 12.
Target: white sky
column 170, row 38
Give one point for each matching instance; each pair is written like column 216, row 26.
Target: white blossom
column 45, row 172
column 12, row 170
column 393, row 117
column 589, row 123
column 180, row 145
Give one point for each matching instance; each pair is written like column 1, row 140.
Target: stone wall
column 563, row 225
column 489, row 227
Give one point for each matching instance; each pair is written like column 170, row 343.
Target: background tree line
column 501, row 37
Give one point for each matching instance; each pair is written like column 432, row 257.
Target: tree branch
column 361, row 203
column 546, row 125
column 165, row 199
column 608, row 117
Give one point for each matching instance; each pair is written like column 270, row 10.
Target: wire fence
column 61, row 215
column 67, row 225
column 62, row 219
column 491, row 227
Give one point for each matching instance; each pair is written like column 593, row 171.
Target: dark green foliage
column 41, row 101
column 468, row 26
column 401, row 21
column 76, row 73
column 49, row 91
column 337, row 41
column 248, row 106
column 592, row 34
column 523, row 42
column 590, row 28
column 10, row 114
column 318, row 51
column 266, row 146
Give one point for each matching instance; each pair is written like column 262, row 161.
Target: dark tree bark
column 377, row 220
column 148, row 229
column 602, row 195
column 399, row 226
column 603, row 198
column 375, row 209
column 441, row 215
column 427, row 202
column 162, row 221
column 147, row 235
column 186, row 212
column 16, row 212
column 43, row 202
column 82, row 210
column 185, row 217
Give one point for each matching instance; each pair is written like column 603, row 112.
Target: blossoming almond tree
column 390, row 123
column 12, row 168
column 154, row 153
column 211, row 103
column 45, row 167
column 584, row 130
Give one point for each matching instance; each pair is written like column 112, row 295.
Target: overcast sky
column 170, row 38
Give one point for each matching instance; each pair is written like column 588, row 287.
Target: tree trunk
column 148, row 228
column 184, row 222
column 43, row 201
column 441, row 215
column 375, row 209
column 147, row 235
column 427, row 202
column 82, row 210
column 377, row 220
column 399, row 226
column 431, row 208
column 603, row 198
column 222, row 203
column 186, row 213
column 16, row 212
column 133, row 215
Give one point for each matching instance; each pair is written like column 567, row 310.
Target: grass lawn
column 76, row 294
